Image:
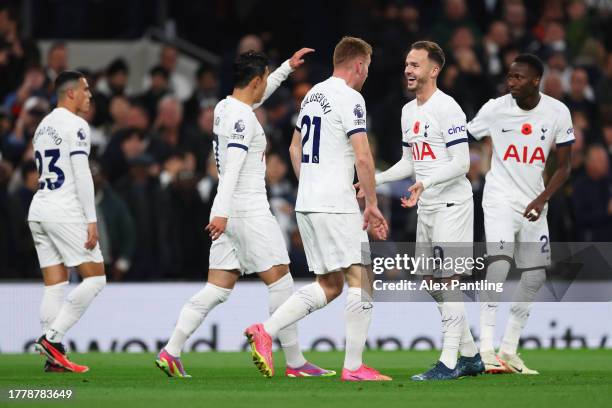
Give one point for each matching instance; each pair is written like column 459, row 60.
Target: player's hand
column 534, row 209
column 415, row 191
column 360, row 192
column 296, row 59
column 92, row 236
column 216, row 227
column 373, row 218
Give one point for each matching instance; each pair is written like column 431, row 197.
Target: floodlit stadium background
column 137, row 52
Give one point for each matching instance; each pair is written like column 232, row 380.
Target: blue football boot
column 467, row 366
column 438, row 372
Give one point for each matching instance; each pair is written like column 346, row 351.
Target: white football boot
column 492, row 364
column 514, row 364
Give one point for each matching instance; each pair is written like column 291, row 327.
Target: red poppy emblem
column 416, row 127
column 526, row 129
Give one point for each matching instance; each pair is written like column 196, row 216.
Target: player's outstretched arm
column 559, row 177
column 295, row 152
column 276, row 78
column 404, row 168
column 364, row 163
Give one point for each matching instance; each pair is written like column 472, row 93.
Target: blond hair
column 349, row 48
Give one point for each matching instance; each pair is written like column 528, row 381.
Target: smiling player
column 525, row 126
column 435, row 147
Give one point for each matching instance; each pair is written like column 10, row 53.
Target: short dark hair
column 434, row 51
column 533, row 61
column 159, row 70
column 65, row 77
column 205, row 68
column 116, row 66
column 247, row 66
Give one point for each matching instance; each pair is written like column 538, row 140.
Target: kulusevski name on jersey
column 318, row 97
column 236, row 127
column 327, row 169
column 522, row 141
column 429, row 130
column 60, row 135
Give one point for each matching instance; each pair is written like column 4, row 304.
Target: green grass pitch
column 569, row 378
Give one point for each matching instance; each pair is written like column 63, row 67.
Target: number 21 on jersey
column 315, row 123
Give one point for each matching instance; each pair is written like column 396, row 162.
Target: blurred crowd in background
column 151, row 150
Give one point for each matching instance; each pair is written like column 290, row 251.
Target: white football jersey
column 236, row 126
column 522, row 141
column 428, row 130
column 60, row 135
column 330, row 113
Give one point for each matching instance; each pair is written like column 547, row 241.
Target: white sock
column 51, row 304
column 279, row 292
column 193, row 314
column 528, row 287
column 467, row 347
column 358, row 315
column 303, row 302
column 76, row 304
column 497, row 272
column 453, row 319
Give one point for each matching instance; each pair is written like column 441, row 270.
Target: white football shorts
column 446, row 234
column 58, row 243
column 249, row 245
column 510, row 234
column 333, row 241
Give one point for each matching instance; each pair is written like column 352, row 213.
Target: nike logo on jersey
column 506, row 130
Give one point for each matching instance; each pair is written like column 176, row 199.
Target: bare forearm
column 557, row 180
column 296, row 160
column 365, row 173
column 295, row 152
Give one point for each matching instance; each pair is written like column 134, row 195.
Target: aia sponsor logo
column 422, row 151
column 524, row 154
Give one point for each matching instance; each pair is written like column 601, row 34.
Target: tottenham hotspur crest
column 358, row 111
column 239, row 125
column 81, row 134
